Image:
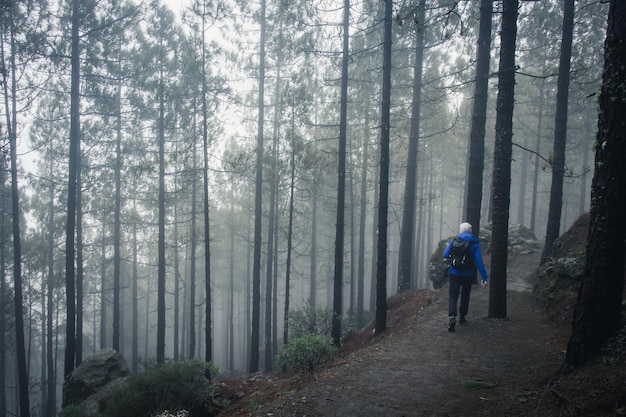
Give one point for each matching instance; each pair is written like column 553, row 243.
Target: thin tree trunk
column 208, row 342
column 160, row 347
column 79, row 259
column 103, row 289
column 289, row 233
column 341, row 184
column 313, row 261
column 117, row 238
column 360, row 299
column 407, row 233
column 50, row 406
column 135, row 305
column 476, row 164
column 502, row 161
column 256, row 268
column 269, row 289
column 192, row 258
column 560, row 129
column 70, row 251
column 3, row 342
column 533, row 211
column 383, row 200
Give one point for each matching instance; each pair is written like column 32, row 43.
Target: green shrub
column 307, row 353
column 171, row 386
column 309, row 320
column 72, row 411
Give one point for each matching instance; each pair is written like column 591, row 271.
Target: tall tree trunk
column 258, row 206
column 560, row 129
column 341, row 184
column 292, row 185
column 160, row 347
column 360, row 298
column 269, row 289
column 70, row 252
column 383, row 200
column 11, row 115
column 177, row 280
column 407, row 233
column 533, row 210
column 192, row 272
column 79, row 259
column 117, row 258
column 597, row 311
column 103, row 288
column 502, row 160
column 3, row 341
column 476, row 163
column 134, row 360
column 313, row 260
column 208, row 339
column 50, row 406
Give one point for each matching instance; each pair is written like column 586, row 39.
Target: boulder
column 93, row 374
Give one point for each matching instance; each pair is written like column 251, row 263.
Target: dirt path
column 491, row 367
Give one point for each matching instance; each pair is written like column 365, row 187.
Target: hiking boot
column 451, row 324
column 462, row 321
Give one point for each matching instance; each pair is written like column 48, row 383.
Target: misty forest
column 178, row 178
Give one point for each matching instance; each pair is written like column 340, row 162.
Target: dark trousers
column 462, row 286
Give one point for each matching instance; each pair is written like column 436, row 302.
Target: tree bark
column 560, row 130
column 341, row 184
column 476, row 163
column 383, row 200
column 258, row 206
column 502, row 161
column 70, row 252
column 407, row 233
column 597, row 311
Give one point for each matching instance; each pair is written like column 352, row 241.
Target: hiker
column 464, row 257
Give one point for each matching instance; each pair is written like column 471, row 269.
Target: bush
column 171, row 386
column 310, row 320
column 307, row 353
column 72, row 411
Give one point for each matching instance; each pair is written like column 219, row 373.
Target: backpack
column 460, row 256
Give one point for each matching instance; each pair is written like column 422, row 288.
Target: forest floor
column 489, row 367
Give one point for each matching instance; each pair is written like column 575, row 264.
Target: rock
column 93, row 374
column 93, row 406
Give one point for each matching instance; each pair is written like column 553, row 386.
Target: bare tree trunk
column 256, row 268
column 533, row 210
column 383, row 200
column 160, row 347
column 192, row 271
column 341, row 184
column 407, row 234
column 208, row 339
column 289, row 234
column 50, row 405
column 502, row 161
column 360, row 299
column 117, row 233
column 70, row 252
column 597, row 311
column 3, row 344
column 134, row 361
column 560, row 129
column 476, row 163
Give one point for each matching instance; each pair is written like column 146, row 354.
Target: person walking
column 464, row 258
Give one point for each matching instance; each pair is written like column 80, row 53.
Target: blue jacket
column 478, row 258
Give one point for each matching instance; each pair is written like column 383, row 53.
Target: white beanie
column 465, row 228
